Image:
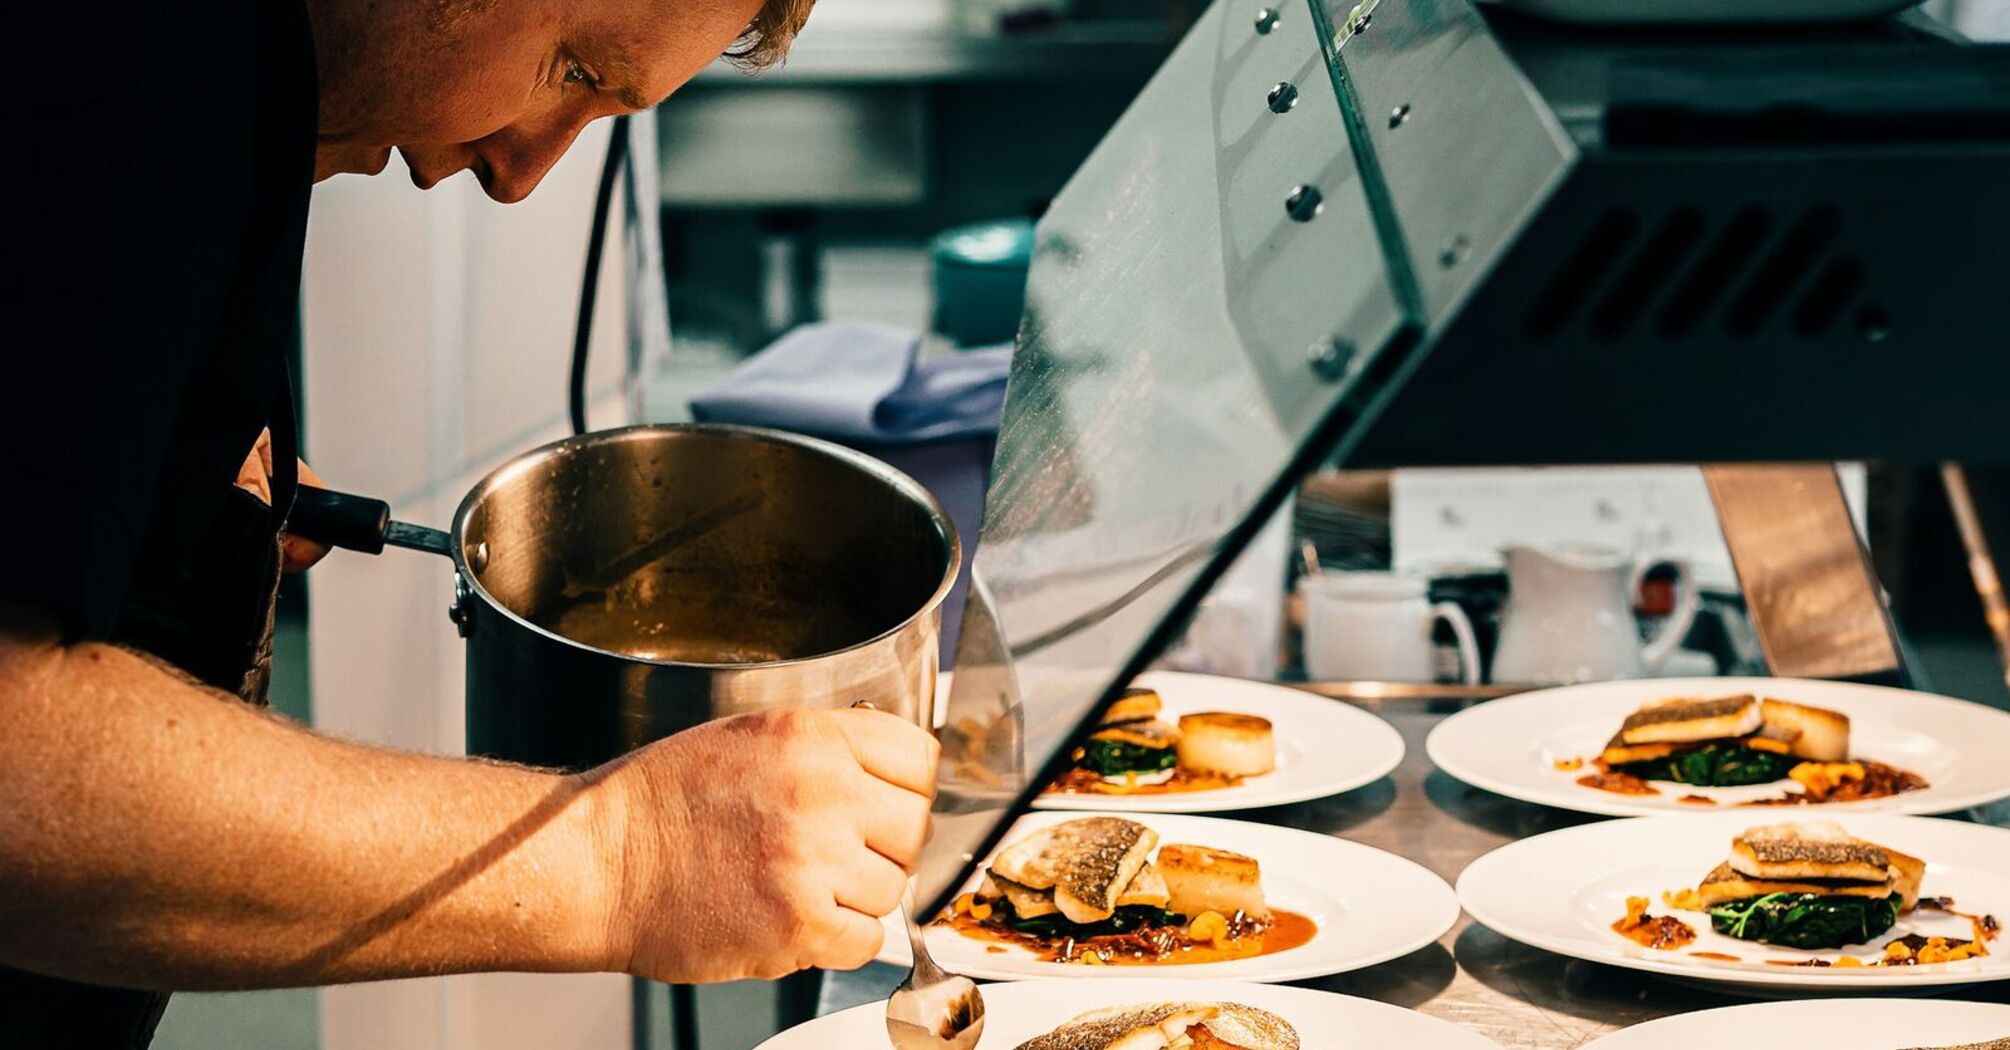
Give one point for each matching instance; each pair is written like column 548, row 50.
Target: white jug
column 1569, row 616
column 1376, row 626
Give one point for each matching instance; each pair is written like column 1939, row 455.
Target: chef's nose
column 516, row 173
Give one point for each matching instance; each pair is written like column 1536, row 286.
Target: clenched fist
column 764, row 844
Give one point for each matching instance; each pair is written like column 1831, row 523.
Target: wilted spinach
column 1806, row 920
column 1715, row 765
column 1114, row 758
column 1125, row 920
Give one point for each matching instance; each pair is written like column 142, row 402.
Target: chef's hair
column 766, row 41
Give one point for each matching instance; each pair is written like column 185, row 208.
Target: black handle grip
column 356, row 523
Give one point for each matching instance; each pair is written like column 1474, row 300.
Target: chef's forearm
column 157, row 834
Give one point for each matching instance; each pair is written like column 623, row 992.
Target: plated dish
column 1136, row 752
column 1708, row 744
column 1150, row 1014
column 1684, row 744
column 1832, row 1024
column 1091, row 891
column 1111, row 895
column 1857, row 902
column 1187, row 743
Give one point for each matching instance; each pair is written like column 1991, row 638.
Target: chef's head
column 503, row 86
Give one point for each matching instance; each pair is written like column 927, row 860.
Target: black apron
column 210, row 620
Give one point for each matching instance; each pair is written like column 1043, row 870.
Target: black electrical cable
column 589, row 285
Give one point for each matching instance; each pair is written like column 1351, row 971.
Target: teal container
column 980, row 280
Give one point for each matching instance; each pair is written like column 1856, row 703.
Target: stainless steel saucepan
column 619, row 586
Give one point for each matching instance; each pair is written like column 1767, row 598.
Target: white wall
column 437, row 328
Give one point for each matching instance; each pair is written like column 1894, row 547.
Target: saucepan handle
column 358, row 523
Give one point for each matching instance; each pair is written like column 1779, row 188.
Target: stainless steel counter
column 1522, row 998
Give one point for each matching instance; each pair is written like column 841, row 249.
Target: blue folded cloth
column 861, row 384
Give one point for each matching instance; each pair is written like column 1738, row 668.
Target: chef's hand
column 255, row 477
column 768, row 843
column 297, row 553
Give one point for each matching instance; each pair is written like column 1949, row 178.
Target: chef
column 158, row 830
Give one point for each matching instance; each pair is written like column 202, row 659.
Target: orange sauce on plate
column 1158, row 946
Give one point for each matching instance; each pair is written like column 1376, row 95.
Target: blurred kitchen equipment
column 1674, row 12
column 980, row 280
column 1238, row 631
column 931, row 1010
column 1377, row 626
column 621, row 586
column 1816, row 605
column 868, row 386
column 994, row 16
column 1570, row 616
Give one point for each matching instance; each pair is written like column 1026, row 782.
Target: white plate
column 1562, row 891
column 1324, row 747
column 1014, row 1013
column 1370, row 907
column 1509, row 746
column 1831, row 1024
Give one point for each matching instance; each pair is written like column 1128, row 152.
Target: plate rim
column 1777, row 978
column 1922, row 803
column 1218, row 988
column 1620, row 1039
column 1449, row 906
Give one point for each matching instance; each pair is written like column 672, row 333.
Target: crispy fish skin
column 1993, row 1044
column 1248, row 1028
column 1725, row 884
column 1813, row 850
column 1683, row 720
column 1036, row 861
column 1086, row 862
column 1097, row 873
column 1153, row 1026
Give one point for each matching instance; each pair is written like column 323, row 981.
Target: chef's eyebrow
column 621, row 69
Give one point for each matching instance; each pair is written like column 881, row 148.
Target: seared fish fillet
column 1688, row 720
column 1148, row 733
column 1620, row 753
column 1907, row 872
column 1135, row 705
column 1147, row 888
column 1155, row 1026
column 1086, row 862
column 1027, row 902
column 1726, row 884
column 1813, row 850
column 1993, row 1044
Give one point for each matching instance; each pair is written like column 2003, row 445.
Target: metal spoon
column 932, row 1010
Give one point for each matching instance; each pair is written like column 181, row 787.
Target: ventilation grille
column 1680, row 275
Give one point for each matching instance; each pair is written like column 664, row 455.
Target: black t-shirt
column 153, row 201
